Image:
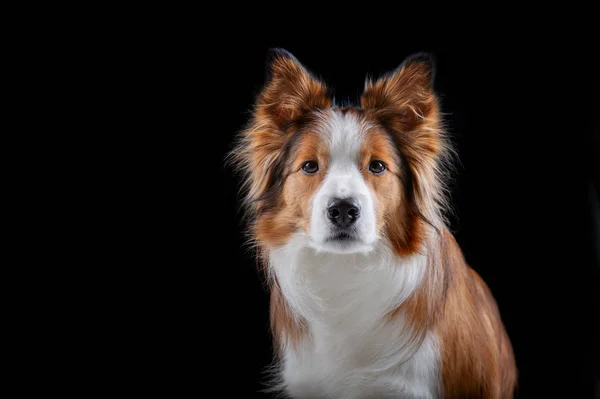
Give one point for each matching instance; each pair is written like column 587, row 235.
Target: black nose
column 343, row 212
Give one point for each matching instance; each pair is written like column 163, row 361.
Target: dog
column 370, row 294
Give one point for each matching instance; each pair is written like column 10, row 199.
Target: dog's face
column 344, row 178
column 342, row 181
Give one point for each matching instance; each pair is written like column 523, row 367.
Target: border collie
column 371, row 296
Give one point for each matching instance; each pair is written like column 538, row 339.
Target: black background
column 521, row 114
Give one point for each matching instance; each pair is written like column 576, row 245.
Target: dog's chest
column 362, row 369
column 351, row 349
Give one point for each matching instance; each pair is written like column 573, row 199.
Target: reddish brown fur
column 476, row 353
column 477, row 356
column 405, row 105
column 286, row 327
column 378, row 146
column 293, row 212
column 393, row 214
column 278, row 208
column 290, row 95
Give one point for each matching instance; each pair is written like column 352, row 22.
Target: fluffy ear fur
column 290, row 94
column 291, row 90
column 405, row 104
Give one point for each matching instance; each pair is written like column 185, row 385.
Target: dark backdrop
column 521, row 113
column 523, row 193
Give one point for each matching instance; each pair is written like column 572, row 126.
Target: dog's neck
column 345, row 292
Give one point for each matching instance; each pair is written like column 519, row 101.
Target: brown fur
column 286, row 327
column 404, row 104
column 476, row 352
column 406, row 134
column 477, row 356
column 292, row 212
column 271, row 154
column 378, row 146
column 287, row 103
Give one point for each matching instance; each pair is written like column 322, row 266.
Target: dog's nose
column 343, row 212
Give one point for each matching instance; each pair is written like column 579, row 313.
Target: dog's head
column 344, row 178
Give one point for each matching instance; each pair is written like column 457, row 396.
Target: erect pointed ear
column 405, row 97
column 290, row 90
column 406, row 106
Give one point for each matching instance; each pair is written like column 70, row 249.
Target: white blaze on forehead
column 344, row 134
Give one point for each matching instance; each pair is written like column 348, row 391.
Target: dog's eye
column 377, row 167
column 310, row 167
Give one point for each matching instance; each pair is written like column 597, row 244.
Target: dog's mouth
column 344, row 242
column 342, row 237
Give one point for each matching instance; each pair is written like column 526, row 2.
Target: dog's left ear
column 404, row 99
column 406, row 106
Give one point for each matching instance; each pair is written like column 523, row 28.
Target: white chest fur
column 351, row 349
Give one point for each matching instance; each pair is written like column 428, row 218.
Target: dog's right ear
column 289, row 93
column 290, row 90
